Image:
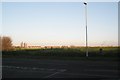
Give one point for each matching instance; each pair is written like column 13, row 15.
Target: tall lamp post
column 86, row 29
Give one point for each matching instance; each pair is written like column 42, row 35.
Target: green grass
column 65, row 52
column 109, row 53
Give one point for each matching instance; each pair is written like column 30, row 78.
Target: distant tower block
column 22, row 45
column 25, row 45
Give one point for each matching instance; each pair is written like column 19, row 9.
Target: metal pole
column 86, row 30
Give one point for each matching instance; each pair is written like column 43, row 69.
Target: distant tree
column 6, row 43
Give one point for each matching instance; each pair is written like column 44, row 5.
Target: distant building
column 50, row 47
column 34, row 47
column 22, row 44
column 25, row 45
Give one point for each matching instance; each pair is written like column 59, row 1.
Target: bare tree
column 6, row 43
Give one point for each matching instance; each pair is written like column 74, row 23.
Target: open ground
column 36, row 68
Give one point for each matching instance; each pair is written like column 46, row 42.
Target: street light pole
column 86, row 30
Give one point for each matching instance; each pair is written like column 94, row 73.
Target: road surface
column 35, row 68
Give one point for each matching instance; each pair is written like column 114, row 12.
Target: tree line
column 5, row 43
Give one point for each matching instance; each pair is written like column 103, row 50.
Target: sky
column 60, row 23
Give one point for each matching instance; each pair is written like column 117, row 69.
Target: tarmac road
column 35, row 68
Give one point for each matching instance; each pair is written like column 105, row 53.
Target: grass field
column 69, row 53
